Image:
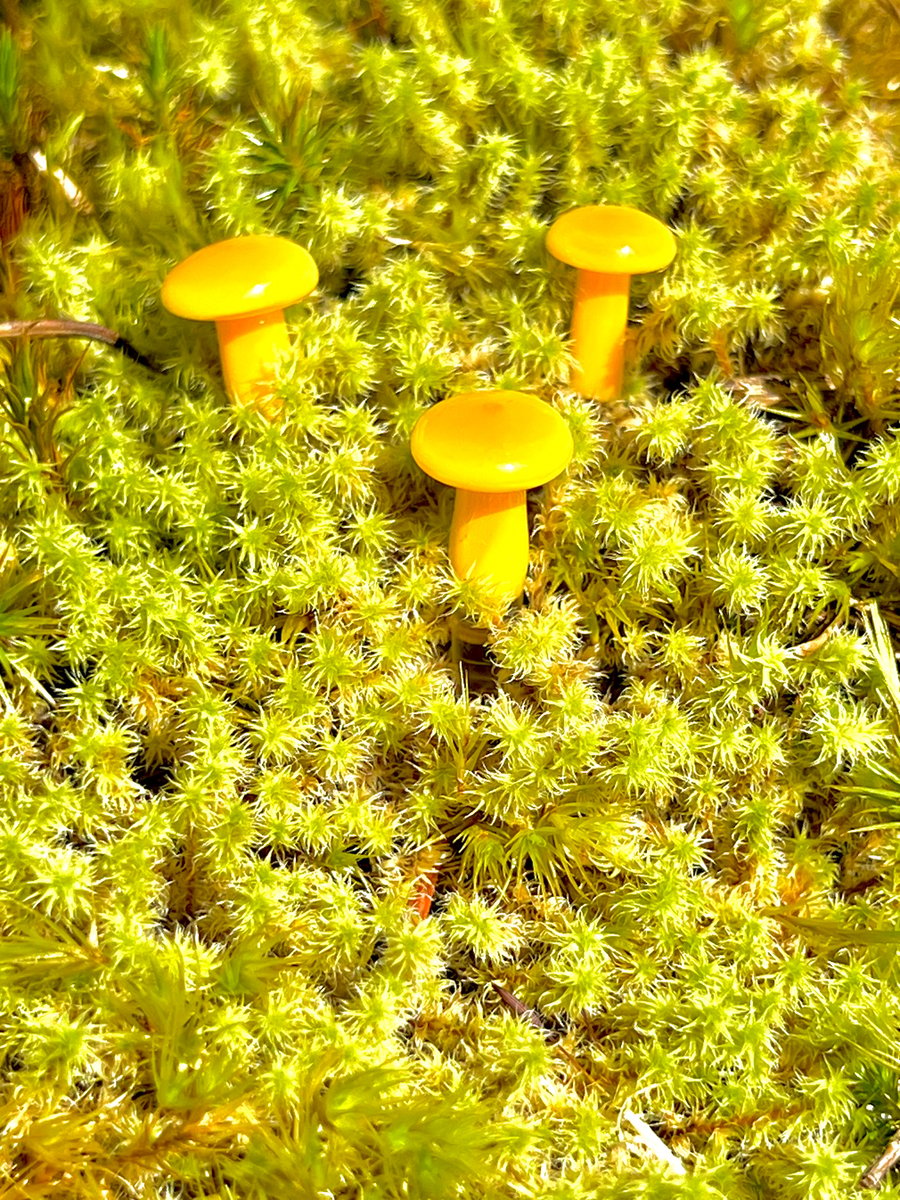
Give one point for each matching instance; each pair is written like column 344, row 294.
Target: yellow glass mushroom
column 491, row 446
column 608, row 243
column 244, row 284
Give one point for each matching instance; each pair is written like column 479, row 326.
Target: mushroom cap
column 492, row 441
column 612, row 239
column 240, row 277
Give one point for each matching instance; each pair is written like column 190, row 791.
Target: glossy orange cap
column 240, row 277
column 492, row 441
column 611, row 239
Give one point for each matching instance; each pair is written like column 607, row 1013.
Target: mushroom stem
column 250, row 347
column 489, row 540
column 599, row 321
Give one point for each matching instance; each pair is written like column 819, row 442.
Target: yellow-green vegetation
column 263, row 855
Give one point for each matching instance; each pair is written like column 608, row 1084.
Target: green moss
column 266, row 843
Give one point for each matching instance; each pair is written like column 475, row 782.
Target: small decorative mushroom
column 243, row 284
column 608, row 244
column 491, row 446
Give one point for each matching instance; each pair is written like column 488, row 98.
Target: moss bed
column 278, row 870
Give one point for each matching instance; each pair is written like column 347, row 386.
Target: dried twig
column 70, row 188
column 531, row 1015
column 653, row 1142
column 805, row 649
column 78, row 329
column 875, row 1175
column 755, row 389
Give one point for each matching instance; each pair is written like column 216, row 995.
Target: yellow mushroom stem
column 489, row 541
column 599, row 320
column 250, row 348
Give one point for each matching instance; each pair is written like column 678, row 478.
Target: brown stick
column 805, row 649
column 80, row 329
column 874, row 1177
column 531, row 1015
